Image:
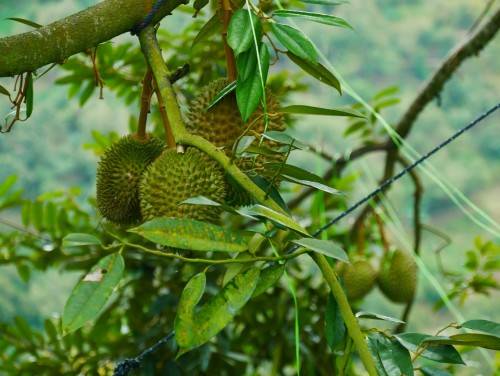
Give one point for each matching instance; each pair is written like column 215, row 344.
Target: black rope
column 148, row 18
column 124, row 367
column 389, row 181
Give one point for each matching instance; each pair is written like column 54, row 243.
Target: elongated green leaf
column 273, row 193
column 211, row 27
column 316, row 17
column 310, row 110
column 7, row 184
column 438, row 353
column 25, row 21
column 268, row 278
column 239, row 33
column 376, row 316
column 200, row 200
column 335, row 330
column 468, row 339
column 91, row 294
column 274, row 216
column 225, row 91
column 195, row 326
column 243, row 143
column 29, row 94
column 313, row 184
column 4, row 91
column 324, row 2
column 432, row 371
column 193, row 235
column 246, row 64
column 391, row 358
column 79, row 240
column 285, row 139
column 317, row 70
column 295, row 172
column 325, row 247
column 249, row 92
column 483, row 326
column 295, row 41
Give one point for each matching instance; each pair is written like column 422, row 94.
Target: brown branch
column 227, row 12
column 56, row 42
column 470, row 47
column 147, row 92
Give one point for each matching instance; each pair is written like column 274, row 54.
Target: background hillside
column 394, row 44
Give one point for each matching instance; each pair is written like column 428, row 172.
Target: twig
column 147, row 92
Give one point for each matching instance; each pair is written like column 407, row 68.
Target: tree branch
column 76, row 33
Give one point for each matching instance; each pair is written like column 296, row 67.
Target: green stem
column 345, row 309
column 152, row 52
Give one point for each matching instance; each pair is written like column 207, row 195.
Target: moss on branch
column 59, row 40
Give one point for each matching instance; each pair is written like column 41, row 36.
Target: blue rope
column 148, row 18
column 403, row 172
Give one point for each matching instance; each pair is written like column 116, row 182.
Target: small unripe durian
column 398, row 276
column 359, row 278
column 118, row 175
column 175, row 177
column 222, row 125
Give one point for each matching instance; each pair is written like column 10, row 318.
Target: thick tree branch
column 76, row 33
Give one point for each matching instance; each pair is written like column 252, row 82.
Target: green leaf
column 193, row 235
column 268, row 278
column 249, row 92
column 79, row 240
column 438, row 353
column 239, row 33
column 310, row 110
column 324, row 2
column 86, row 93
column 392, row 359
column 195, row 326
column 376, row 316
column 91, row 294
column 317, row 70
column 211, row 27
column 295, row 172
column 335, row 330
column 283, row 138
column 24, row 272
column 4, row 91
column 225, row 91
column 313, row 184
column 483, row 326
column 7, row 184
column 295, row 41
column 432, row 371
column 316, row 17
column 468, row 339
column 29, row 94
column 243, row 143
column 26, row 213
column 325, row 247
column 200, row 200
column 26, row 22
column 274, row 216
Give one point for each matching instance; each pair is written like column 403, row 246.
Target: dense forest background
column 394, row 44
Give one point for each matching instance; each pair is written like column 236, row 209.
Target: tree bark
column 59, row 40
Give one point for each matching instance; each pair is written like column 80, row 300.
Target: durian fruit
column 118, row 175
column 222, row 125
column 359, row 278
column 175, row 177
column 398, row 276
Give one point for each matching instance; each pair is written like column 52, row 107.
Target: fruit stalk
column 152, row 52
column 345, row 310
column 146, row 94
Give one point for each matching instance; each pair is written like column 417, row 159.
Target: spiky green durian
column 118, row 175
column 222, row 125
column 398, row 276
column 175, row 177
column 359, row 278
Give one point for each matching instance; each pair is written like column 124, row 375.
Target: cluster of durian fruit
column 396, row 277
column 141, row 179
